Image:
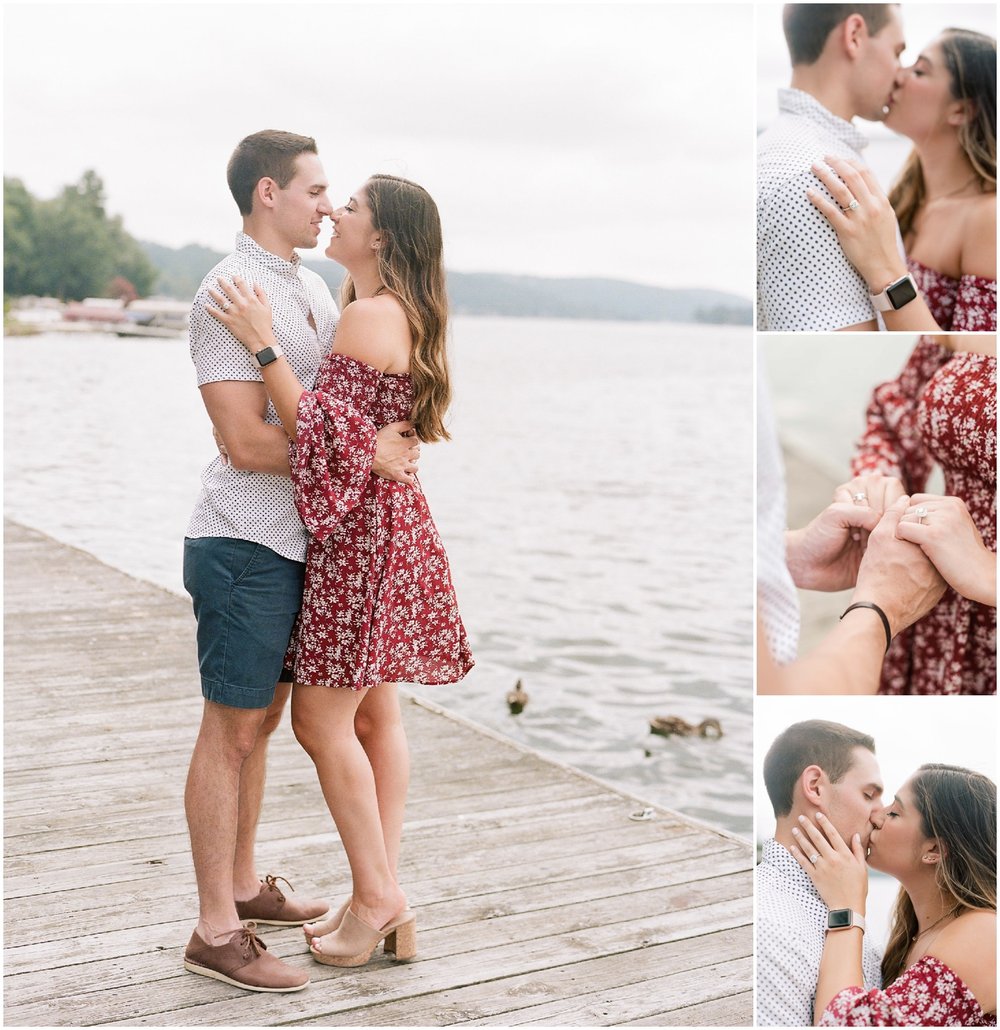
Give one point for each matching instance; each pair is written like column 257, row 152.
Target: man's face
column 877, row 66
column 854, row 805
column 303, row 204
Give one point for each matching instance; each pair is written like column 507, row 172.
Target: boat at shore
column 152, row 316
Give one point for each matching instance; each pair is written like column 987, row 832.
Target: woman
column 938, row 839
column 379, row 606
column 941, row 409
column 944, row 199
column 943, row 404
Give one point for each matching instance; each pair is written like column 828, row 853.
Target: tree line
column 69, row 247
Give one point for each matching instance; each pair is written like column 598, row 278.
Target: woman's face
column 354, row 235
column 921, row 102
column 897, row 843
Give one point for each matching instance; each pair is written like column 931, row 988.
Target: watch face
column 901, row 293
column 839, row 919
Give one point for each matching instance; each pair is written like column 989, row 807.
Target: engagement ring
column 859, row 497
column 921, row 514
column 853, row 206
column 814, row 858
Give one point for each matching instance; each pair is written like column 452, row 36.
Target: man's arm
column 237, row 410
column 900, row 580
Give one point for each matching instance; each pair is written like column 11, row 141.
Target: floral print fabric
column 968, row 304
column 379, row 604
column 942, row 408
column 926, row 994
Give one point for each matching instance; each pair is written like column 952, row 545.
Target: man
column 894, row 582
column 812, row 767
column 244, row 555
column 844, row 62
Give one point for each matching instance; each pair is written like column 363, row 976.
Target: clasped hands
column 895, row 550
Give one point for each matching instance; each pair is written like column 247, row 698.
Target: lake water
column 595, row 503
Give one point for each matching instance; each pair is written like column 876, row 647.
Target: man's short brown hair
column 808, row 26
column 269, row 154
column 814, row 742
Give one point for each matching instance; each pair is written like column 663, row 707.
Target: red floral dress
column 379, row 604
column 926, row 994
column 968, row 304
column 943, row 407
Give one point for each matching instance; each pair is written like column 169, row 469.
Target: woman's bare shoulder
column 375, row 330
column 979, row 232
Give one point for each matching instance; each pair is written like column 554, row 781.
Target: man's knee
column 231, row 732
column 274, row 711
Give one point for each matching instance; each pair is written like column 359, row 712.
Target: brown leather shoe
column 274, row 909
column 243, row 961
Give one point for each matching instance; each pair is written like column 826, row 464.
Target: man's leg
column 246, row 882
column 227, row 737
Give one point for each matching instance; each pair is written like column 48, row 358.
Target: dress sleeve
column 331, row 456
column 929, row 993
column 891, row 444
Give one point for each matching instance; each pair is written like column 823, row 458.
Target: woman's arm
column 946, row 533
column 840, row 875
column 246, row 312
column 869, row 236
column 891, row 444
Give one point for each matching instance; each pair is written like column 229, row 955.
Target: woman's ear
column 932, row 851
column 961, row 112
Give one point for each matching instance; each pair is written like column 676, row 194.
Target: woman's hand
column 839, row 873
column 943, row 529
column 868, row 233
column 869, row 491
column 245, row 311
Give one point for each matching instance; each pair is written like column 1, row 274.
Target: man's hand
column 827, row 553
column 897, row 575
column 397, row 451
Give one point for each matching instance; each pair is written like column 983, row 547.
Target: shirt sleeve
column 891, row 444
column 926, row 994
column 217, row 354
column 331, row 456
column 804, row 281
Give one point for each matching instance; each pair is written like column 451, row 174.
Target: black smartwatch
column 844, row 919
column 896, row 295
column 268, row 355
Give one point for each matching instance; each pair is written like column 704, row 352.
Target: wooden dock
column 538, row 900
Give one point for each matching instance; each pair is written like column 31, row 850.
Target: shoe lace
column 271, row 882
column 248, row 940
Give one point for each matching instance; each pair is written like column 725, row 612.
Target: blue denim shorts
column 245, row 599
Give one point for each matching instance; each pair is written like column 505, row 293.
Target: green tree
column 68, row 247
column 20, row 253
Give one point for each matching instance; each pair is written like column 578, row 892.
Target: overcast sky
column 908, row 732
column 558, row 139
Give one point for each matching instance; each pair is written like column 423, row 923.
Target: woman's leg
column 379, row 726
column 323, row 721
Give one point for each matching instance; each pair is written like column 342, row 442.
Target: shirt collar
column 805, row 105
column 780, row 859
column 248, row 246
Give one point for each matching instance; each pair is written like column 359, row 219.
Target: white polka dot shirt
column 791, row 929
column 777, row 600
column 804, row 281
column 258, row 506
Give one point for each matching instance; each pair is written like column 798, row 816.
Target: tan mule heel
column 353, row 942
column 402, row 942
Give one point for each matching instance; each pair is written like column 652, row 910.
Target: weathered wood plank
column 538, row 900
